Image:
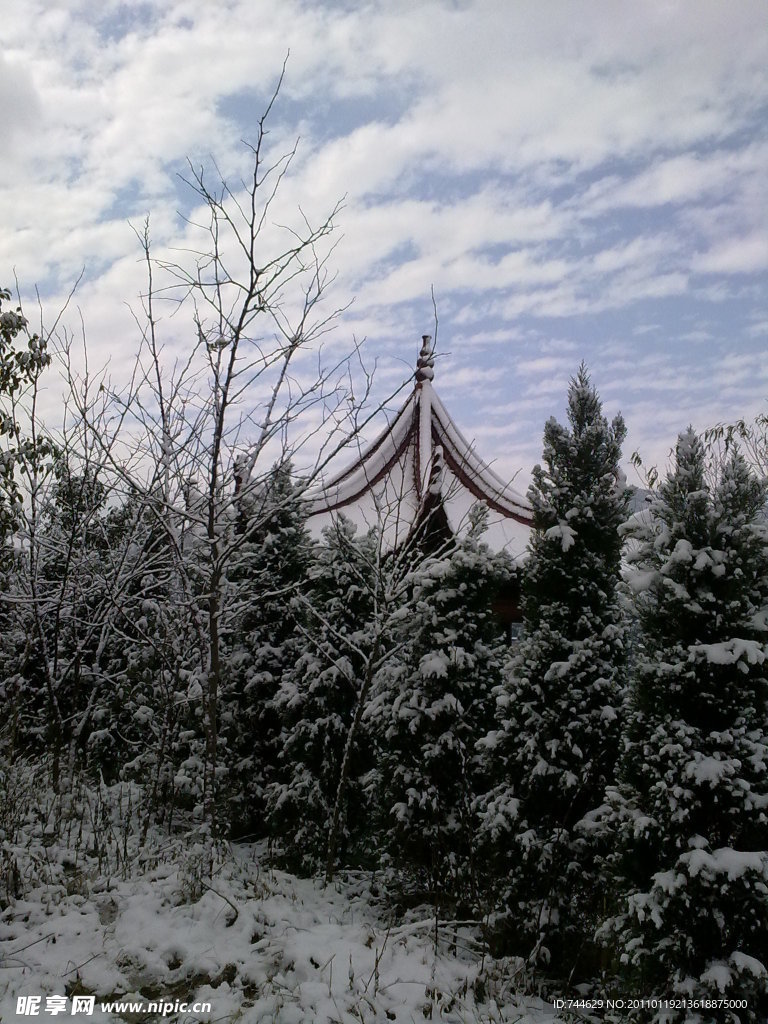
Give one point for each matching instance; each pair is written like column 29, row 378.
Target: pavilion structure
column 422, row 474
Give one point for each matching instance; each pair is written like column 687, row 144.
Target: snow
column 434, row 664
column 668, row 881
column 259, row 944
column 731, row 651
column 709, row 769
column 642, row 580
column 564, row 533
column 369, row 464
column 733, row 863
column 719, row 976
column 683, row 552
column 457, row 447
column 745, row 963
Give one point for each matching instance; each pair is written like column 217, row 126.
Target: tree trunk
column 335, row 830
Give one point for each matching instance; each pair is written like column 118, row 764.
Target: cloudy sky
column 576, row 181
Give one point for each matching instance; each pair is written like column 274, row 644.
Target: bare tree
column 750, row 438
column 72, row 570
column 198, row 437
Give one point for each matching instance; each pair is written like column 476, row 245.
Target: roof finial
column 425, row 364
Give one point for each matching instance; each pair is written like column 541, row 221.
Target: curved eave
column 476, row 475
column 376, row 461
column 370, row 467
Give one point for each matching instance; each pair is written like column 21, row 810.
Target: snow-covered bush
column 264, row 646
column 432, row 705
column 317, row 699
column 555, row 744
column 691, row 806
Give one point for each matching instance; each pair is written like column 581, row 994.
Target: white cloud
column 743, row 255
column 557, row 179
column 680, row 179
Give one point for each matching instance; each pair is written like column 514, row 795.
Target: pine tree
column 152, row 728
column 68, row 576
column 273, row 564
column 317, row 698
column 692, row 800
column 431, row 707
column 556, row 741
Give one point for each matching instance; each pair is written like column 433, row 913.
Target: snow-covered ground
column 255, row 943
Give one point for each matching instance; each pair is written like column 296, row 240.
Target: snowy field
column 258, row 945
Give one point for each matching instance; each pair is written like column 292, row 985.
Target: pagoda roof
column 428, row 458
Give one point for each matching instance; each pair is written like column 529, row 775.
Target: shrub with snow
column 691, row 807
column 317, row 697
column 555, row 743
column 432, row 705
